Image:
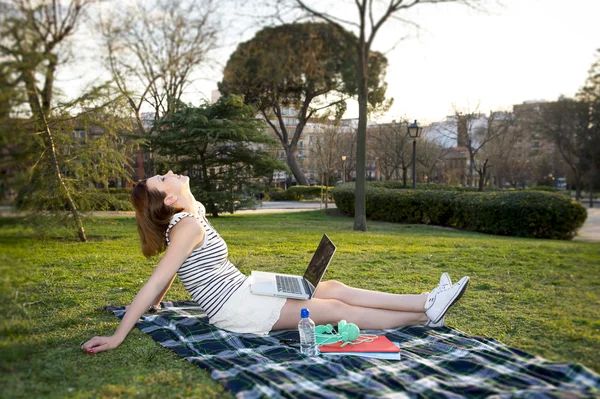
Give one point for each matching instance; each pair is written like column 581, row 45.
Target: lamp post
column 413, row 132
column 343, row 169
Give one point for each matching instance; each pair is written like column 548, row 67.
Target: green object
column 346, row 332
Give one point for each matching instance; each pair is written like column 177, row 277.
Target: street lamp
column 413, row 132
column 344, row 169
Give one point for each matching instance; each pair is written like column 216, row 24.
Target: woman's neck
column 188, row 203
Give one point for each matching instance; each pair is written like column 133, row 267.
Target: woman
column 169, row 217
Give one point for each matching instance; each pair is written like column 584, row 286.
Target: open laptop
column 290, row 286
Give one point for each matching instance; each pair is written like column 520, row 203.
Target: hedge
column 522, row 214
column 297, row 193
column 399, row 185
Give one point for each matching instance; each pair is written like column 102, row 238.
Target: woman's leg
column 324, row 311
column 333, row 289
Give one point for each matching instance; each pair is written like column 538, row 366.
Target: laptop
column 296, row 287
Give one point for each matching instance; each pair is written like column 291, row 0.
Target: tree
column 348, row 149
column 35, row 42
column 473, row 130
column 220, row 147
column 430, row 153
column 152, row 50
column 326, row 151
column 307, row 67
column 565, row 122
column 512, row 158
column 590, row 94
column 497, row 126
column 372, row 16
column 390, row 142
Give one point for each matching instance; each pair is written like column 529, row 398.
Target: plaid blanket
column 440, row 363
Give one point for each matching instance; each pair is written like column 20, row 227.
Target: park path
column 591, row 228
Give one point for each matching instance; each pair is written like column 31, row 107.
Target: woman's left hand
column 101, row 344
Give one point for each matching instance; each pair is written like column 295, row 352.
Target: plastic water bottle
column 308, row 341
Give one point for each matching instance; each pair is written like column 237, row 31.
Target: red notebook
column 380, row 344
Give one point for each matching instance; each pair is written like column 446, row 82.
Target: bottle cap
column 304, row 313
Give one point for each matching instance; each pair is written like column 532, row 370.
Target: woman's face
column 170, row 184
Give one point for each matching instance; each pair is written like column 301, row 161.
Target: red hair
column 152, row 217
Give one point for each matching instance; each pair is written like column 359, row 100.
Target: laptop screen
column 319, row 261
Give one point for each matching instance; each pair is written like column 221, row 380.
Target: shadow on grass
column 97, row 229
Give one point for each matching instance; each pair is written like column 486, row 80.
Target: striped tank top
column 207, row 274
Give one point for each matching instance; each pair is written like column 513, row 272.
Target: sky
column 458, row 57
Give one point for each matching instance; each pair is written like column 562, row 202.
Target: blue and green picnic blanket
column 440, row 363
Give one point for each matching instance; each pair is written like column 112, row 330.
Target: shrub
column 398, row 185
column 297, row 193
column 522, row 214
column 271, row 191
column 281, row 195
column 308, row 192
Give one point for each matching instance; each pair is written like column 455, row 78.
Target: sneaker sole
column 452, row 302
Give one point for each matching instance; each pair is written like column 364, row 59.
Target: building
column 546, row 163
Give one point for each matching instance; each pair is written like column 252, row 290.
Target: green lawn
column 539, row 295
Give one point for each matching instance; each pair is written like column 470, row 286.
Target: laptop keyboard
column 289, row 285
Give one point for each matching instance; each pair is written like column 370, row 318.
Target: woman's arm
column 185, row 236
column 159, row 298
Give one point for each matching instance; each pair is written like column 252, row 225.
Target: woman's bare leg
column 333, row 289
column 324, row 311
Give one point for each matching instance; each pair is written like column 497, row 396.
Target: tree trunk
column 470, row 175
column 73, row 208
column 404, row 176
column 577, row 185
column 326, row 193
column 291, row 159
column 591, row 188
column 360, row 217
column 481, row 179
column 36, row 108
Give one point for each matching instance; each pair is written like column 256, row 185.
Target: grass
column 539, row 295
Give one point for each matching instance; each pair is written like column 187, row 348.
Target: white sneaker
column 441, row 299
column 445, row 282
column 439, row 324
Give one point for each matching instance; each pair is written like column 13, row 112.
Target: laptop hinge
column 308, row 288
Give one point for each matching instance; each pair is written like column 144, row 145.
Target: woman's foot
column 440, row 299
column 445, row 282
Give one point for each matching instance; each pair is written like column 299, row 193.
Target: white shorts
column 245, row 312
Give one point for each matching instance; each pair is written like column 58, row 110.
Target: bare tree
column 326, row 151
column 152, row 50
column 498, row 125
column 348, row 149
column 391, row 144
column 472, row 131
column 372, row 16
column 431, row 153
column 590, row 94
column 566, row 123
column 511, row 157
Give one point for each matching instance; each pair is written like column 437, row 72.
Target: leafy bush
column 522, row 214
column 297, row 193
column 308, row 192
column 281, row 195
column 398, row 185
